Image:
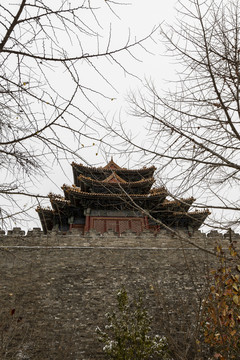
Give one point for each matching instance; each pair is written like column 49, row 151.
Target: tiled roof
column 44, row 209
column 79, row 191
column 179, row 202
column 58, row 198
column 101, row 168
column 121, row 181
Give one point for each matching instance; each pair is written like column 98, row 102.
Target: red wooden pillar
column 117, row 226
column 87, row 223
column 146, row 222
column 87, row 213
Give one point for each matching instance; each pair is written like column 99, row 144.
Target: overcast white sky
column 139, row 17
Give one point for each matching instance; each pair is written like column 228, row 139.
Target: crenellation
column 110, row 234
column 162, row 239
column 234, row 236
column 129, row 232
column 36, row 231
column 214, row 234
column 16, row 231
column 74, row 232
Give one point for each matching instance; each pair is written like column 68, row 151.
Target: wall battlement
column 127, row 238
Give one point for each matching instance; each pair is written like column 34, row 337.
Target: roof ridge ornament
column 111, row 165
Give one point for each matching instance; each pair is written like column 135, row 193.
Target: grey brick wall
column 55, row 289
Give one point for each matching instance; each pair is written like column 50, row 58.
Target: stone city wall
column 56, row 289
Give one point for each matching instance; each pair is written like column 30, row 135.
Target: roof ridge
column 111, row 165
column 114, row 176
column 101, row 168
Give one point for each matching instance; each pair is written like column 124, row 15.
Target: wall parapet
column 165, row 238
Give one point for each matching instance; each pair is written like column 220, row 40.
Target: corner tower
column 116, row 198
